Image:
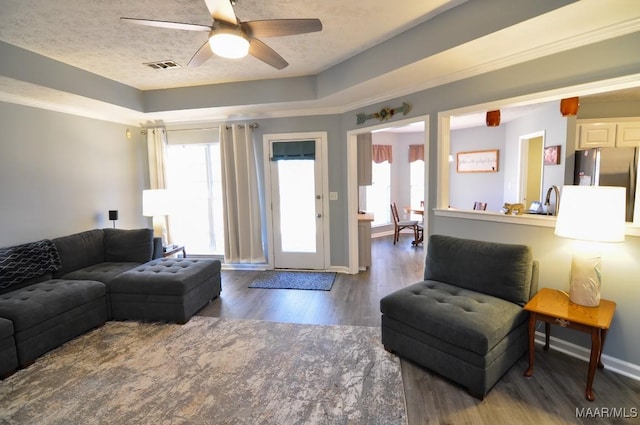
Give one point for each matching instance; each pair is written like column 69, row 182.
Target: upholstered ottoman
column 166, row 289
column 45, row 315
column 8, row 353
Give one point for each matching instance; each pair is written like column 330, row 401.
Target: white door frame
column 321, row 138
column 352, row 183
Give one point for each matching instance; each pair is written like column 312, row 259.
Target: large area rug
column 210, row 371
column 273, row 279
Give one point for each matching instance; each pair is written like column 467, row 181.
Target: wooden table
column 553, row 307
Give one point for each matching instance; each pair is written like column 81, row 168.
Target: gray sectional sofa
column 465, row 321
column 54, row 290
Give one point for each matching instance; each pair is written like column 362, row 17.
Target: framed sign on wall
column 478, row 161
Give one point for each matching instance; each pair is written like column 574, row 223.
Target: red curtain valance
column 416, row 152
column 381, row 153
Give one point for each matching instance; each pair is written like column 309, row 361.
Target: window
column 378, row 196
column 194, row 175
column 416, row 182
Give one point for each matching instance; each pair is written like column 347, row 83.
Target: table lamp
column 156, row 204
column 590, row 214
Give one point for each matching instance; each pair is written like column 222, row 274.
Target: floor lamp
column 156, row 204
column 590, row 215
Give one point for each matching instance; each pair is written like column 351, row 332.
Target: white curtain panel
column 243, row 229
column 157, row 153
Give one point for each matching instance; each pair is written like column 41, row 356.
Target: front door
column 297, row 204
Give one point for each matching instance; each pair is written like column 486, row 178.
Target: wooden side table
column 553, row 307
column 174, row 249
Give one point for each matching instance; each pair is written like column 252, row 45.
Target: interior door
column 297, row 204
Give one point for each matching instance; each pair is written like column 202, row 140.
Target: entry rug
column 294, row 280
column 210, row 371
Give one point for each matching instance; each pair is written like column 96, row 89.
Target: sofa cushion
column 466, row 319
column 38, row 303
column 498, row 269
column 27, row 261
column 6, row 328
column 79, row 250
column 102, row 272
column 134, row 246
column 165, row 276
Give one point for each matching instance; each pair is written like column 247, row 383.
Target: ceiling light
column 229, row 44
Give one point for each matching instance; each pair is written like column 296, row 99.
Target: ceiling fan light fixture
column 229, row 44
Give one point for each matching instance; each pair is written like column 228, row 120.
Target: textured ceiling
column 89, row 35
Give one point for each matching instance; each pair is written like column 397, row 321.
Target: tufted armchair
column 465, row 320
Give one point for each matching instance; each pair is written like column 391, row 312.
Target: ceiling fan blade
column 266, row 54
column 201, row 56
column 281, row 27
column 167, row 24
column 221, row 10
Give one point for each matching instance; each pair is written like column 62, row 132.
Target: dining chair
column 482, row 206
column 398, row 225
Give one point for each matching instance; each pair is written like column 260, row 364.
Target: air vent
column 162, row 65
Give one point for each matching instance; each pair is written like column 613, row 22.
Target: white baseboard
column 613, row 364
column 242, row 266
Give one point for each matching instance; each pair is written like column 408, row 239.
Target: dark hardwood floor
column 553, row 395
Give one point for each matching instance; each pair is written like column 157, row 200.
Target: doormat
column 316, row 281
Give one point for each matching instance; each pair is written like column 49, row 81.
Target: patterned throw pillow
column 21, row 262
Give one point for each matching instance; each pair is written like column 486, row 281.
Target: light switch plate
column 333, row 196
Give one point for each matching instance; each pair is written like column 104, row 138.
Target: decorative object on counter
column 552, row 155
column 478, row 161
column 113, row 216
column 569, row 106
column 384, row 114
column 515, row 209
column 590, row 214
column 493, row 118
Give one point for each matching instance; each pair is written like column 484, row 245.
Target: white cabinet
column 597, row 135
column 628, row 134
column 608, row 133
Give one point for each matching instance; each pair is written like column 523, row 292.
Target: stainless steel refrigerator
column 609, row 167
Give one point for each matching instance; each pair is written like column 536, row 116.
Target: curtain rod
column 194, row 129
column 252, row 125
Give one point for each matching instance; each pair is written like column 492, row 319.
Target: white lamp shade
column 155, row 202
column 229, row 45
column 592, row 213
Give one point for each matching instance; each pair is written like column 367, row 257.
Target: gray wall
column 467, row 188
column 60, row 174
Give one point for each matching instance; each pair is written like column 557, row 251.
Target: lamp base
column 586, row 280
column 160, row 228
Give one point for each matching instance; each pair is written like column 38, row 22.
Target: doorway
column 531, row 167
column 353, row 189
column 295, row 190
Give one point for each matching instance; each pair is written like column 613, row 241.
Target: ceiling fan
column 229, row 37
